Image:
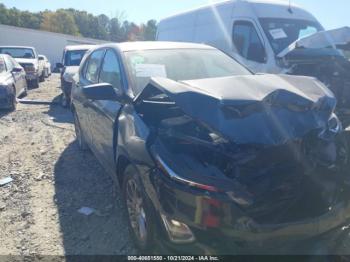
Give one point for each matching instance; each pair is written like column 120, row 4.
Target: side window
column 247, row 42
column 110, row 71
column 93, row 66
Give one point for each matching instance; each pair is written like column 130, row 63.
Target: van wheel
column 79, row 134
column 141, row 218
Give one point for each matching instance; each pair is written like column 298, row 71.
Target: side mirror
column 103, row 91
column 17, row 69
column 59, row 65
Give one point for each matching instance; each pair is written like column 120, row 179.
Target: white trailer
column 47, row 43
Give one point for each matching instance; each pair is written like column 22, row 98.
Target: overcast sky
column 331, row 14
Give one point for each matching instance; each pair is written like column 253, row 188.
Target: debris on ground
column 5, row 181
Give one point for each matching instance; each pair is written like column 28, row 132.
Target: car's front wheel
column 140, row 211
column 79, row 134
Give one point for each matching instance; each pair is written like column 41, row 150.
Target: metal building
column 47, row 43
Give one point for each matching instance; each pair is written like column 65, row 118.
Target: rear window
column 73, row 58
column 18, row 52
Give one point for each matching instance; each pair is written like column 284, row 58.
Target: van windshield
column 283, row 32
column 73, row 58
column 180, row 64
column 18, row 52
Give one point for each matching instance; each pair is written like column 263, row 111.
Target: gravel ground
column 52, row 180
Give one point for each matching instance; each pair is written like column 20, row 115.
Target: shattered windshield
column 283, row 32
column 73, row 58
column 180, row 64
column 18, row 52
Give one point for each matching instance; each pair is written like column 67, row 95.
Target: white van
column 252, row 31
column 268, row 37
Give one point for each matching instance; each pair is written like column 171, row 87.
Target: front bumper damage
column 220, row 227
column 250, row 164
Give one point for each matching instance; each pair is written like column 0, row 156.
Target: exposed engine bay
column 280, row 177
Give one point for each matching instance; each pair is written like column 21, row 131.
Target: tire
column 34, row 83
column 79, row 134
column 42, row 77
column 64, row 100
column 46, row 73
column 13, row 105
column 25, row 92
column 141, row 215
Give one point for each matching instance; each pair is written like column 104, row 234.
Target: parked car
column 47, row 65
column 28, row 58
column 210, row 157
column 269, row 37
column 12, row 82
column 72, row 56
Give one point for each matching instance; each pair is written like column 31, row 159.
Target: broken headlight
column 172, row 175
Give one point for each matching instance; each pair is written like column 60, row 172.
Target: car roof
column 234, row 3
column 154, row 45
column 4, row 55
column 14, row 46
column 78, row 47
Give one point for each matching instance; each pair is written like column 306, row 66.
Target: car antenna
column 290, row 7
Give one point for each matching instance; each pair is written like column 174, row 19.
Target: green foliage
column 75, row 22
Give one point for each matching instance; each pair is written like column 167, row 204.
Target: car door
column 82, row 105
column 15, row 75
column 20, row 76
column 248, row 45
column 105, row 113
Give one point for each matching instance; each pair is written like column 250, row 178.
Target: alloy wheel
column 135, row 205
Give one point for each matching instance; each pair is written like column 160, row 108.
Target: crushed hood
column 254, row 109
column 323, row 39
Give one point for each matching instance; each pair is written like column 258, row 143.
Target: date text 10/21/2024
column 173, row 258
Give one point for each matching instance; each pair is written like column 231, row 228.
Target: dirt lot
column 52, row 180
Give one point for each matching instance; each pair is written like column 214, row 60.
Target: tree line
column 80, row 23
